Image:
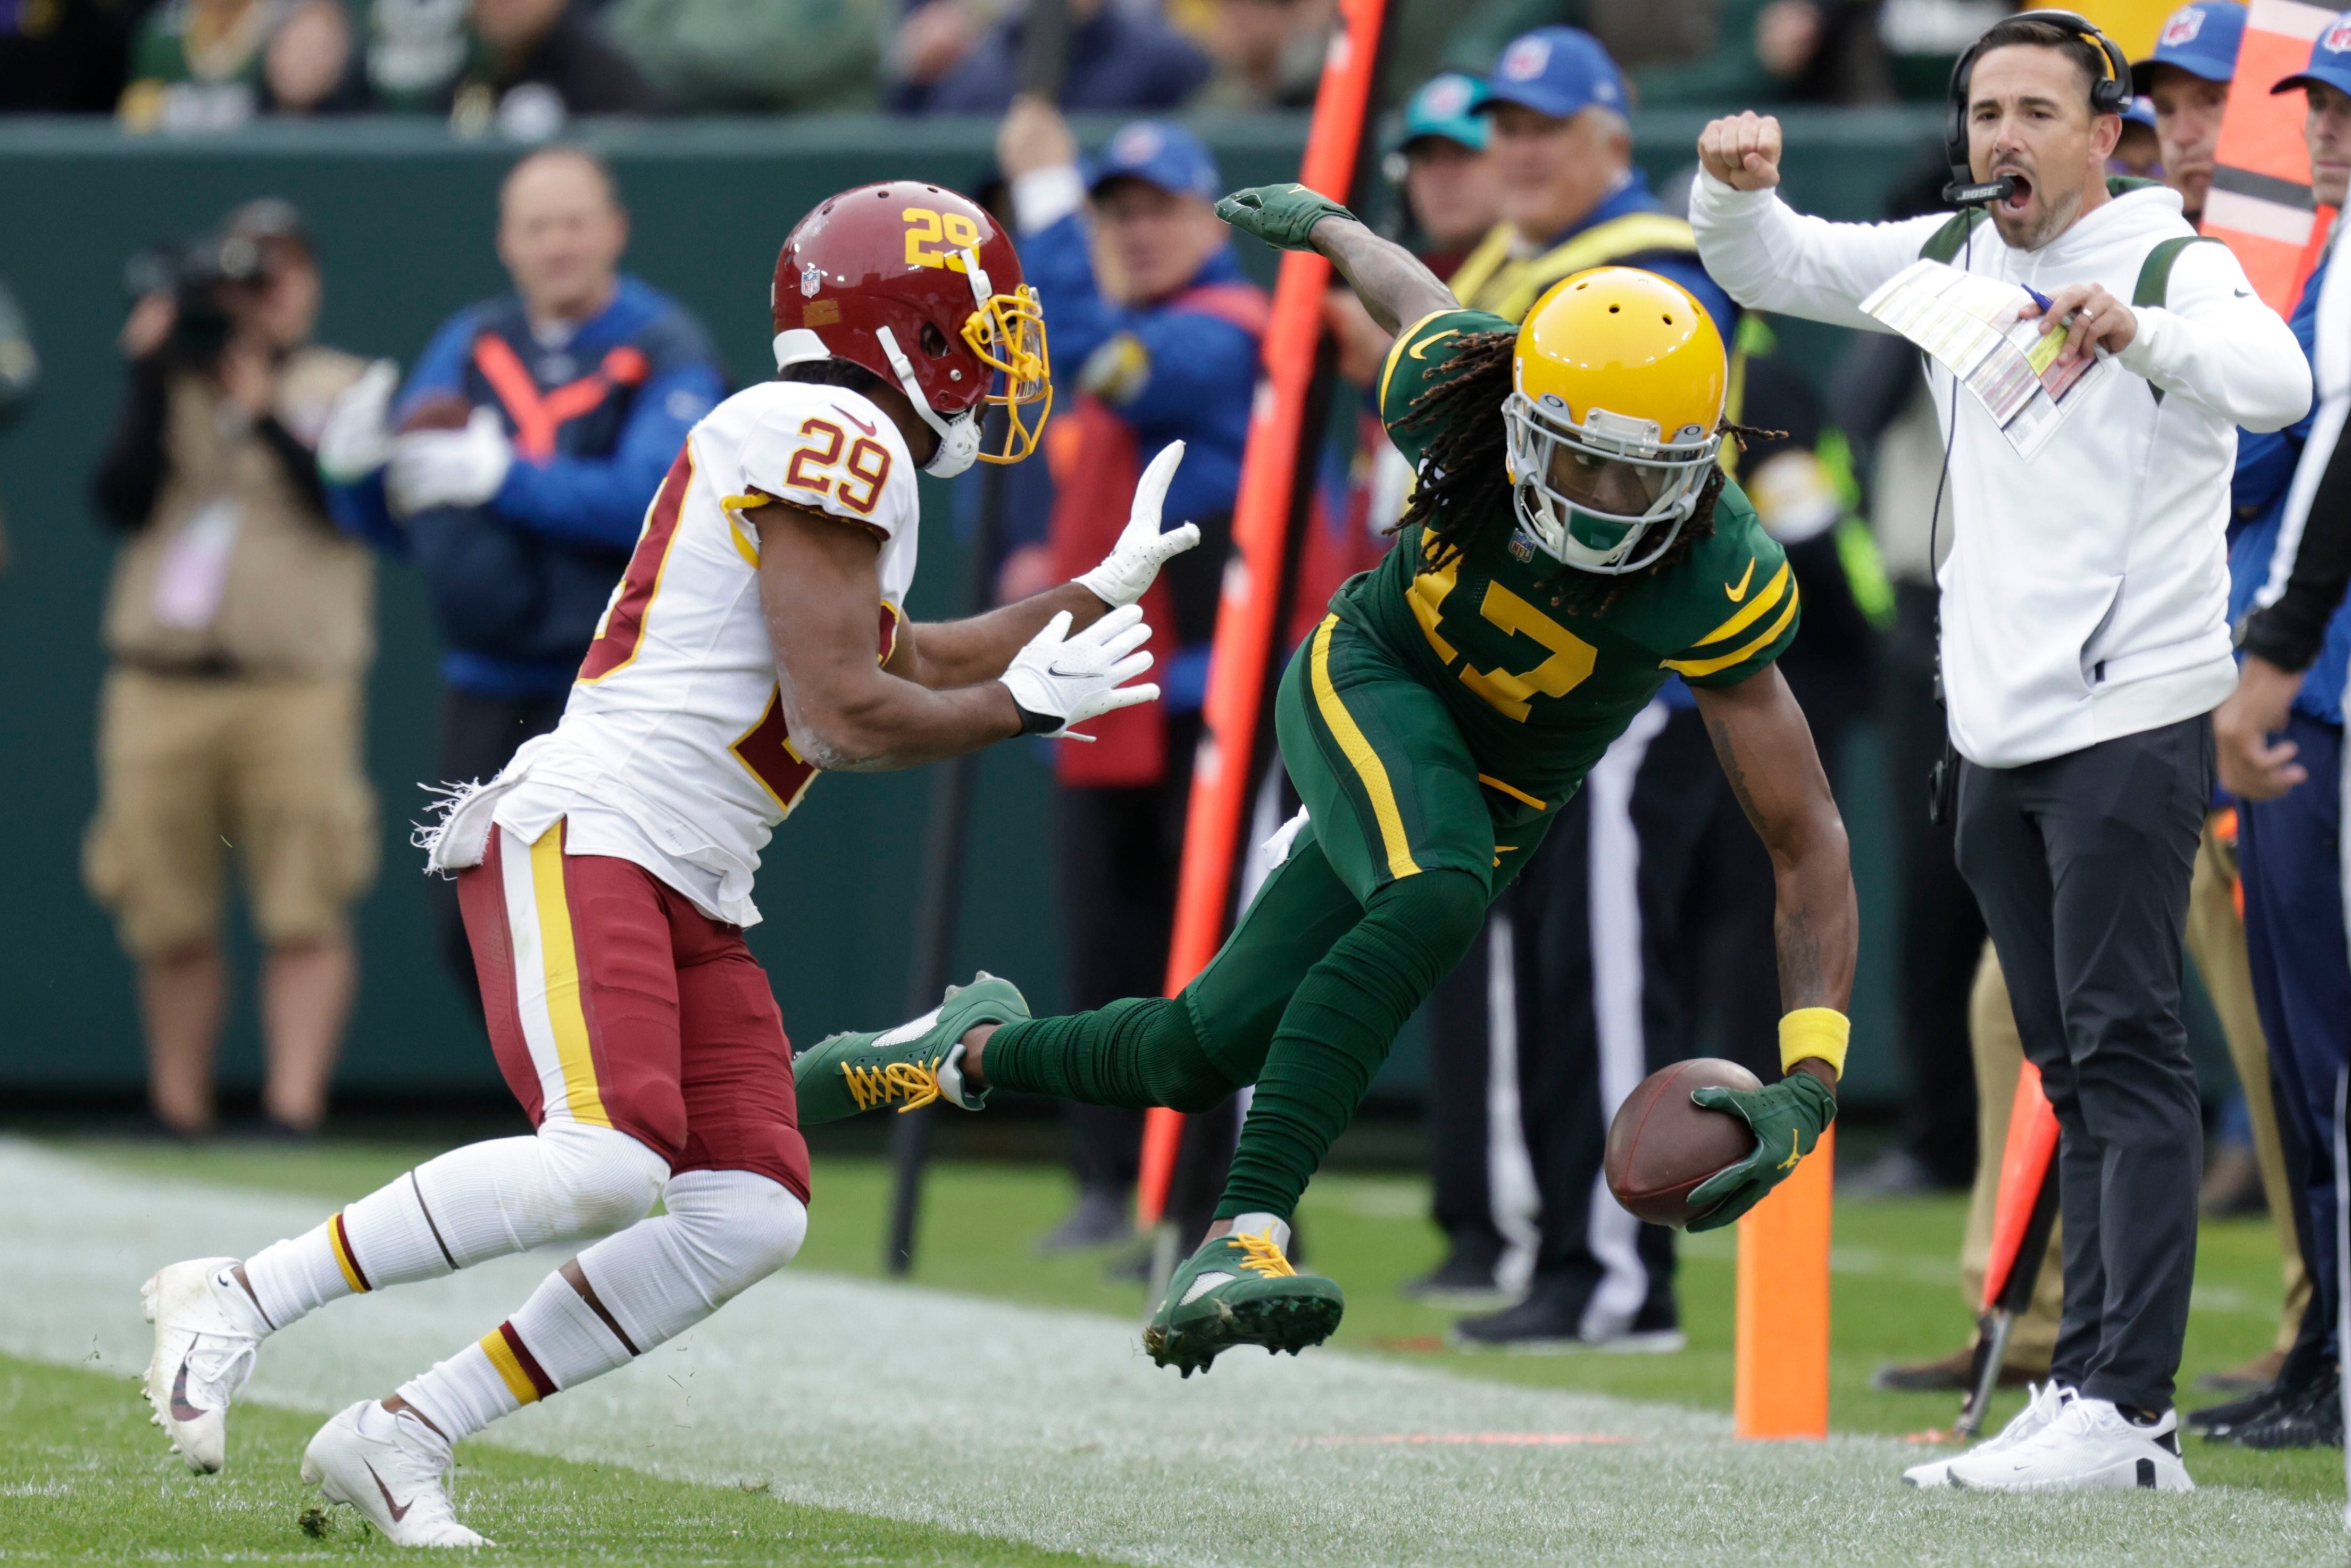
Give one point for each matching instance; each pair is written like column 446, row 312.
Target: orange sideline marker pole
column 1781, row 1377
column 1245, row 639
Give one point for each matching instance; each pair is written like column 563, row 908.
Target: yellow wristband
column 1813, row 1031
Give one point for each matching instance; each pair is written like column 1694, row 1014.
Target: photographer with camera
column 240, row 623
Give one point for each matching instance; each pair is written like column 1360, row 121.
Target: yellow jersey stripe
column 1515, row 793
column 564, row 1014
column 502, row 1356
column 1694, row 667
column 1752, row 611
column 1361, row 756
column 1396, row 349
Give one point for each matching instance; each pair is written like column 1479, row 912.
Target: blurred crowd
column 526, row 66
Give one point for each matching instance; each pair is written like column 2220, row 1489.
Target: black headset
column 2111, row 94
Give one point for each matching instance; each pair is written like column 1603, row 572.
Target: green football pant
column 1380, row 896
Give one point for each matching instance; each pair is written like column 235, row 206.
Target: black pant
column 1120, row 852
column 1588, row 952
column 480, row 734
column 1940, row 934
column 2081, row 864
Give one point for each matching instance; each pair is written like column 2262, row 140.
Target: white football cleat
column 206, row 1332
column 393, row 1469
column 2090, row 1445
column 2043, row 1404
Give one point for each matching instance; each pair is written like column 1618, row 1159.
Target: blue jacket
column 2265, row 465
column 517, row 585
column 1171, row 372
column 1118, row 63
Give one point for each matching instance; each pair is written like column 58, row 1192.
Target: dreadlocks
column 1464, row 487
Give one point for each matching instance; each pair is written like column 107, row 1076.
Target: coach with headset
column 2083, row 645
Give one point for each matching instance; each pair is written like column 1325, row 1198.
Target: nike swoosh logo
column 1055, row 670
column 180, row 1409
column 854, row 420
column 1420, row 350
column 2243, row 293
column 399, row 1510
column 1739, row 592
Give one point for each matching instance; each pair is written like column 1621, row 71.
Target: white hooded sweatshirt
column 2085, row 595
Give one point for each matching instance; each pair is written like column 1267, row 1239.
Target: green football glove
column 1283, row 216
column 1788, row 1118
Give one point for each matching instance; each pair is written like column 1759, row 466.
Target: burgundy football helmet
column 921, row 288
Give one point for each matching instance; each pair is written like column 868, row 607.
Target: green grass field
column 82, row 1477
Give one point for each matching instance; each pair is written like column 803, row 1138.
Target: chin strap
column 959, row 437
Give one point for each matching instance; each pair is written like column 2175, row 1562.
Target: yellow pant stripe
column 502, row 1356
column 1724, row 662
column 1361, row 756
column 342, row 1246
column 564, row 1015
column 1753, row 611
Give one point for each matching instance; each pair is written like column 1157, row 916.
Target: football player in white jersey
column 757, row 638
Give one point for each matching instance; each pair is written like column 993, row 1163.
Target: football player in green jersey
column 1571, row 543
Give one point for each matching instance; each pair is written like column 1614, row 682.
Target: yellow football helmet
column 1615, row 401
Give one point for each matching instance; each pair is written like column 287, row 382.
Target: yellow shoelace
column 1263, row 1255
column 915, row 1082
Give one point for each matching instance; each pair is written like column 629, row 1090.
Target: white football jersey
column 673, row 751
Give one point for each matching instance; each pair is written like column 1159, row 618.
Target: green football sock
column 1138, row 1053
column 1338, row 1027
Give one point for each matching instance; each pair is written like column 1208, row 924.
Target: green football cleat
column 1239, row 1290
column 908, row 1066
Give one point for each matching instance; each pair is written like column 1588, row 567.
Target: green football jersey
column 1540, row 691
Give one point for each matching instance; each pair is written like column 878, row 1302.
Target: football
column 1660, row 1146
column 439, row 411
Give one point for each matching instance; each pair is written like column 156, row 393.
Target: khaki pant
column 2216, row 940
column 191, row 770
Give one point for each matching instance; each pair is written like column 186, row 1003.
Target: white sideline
column 1052, row 1427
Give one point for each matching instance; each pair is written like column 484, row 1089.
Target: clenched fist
column 1742, row 152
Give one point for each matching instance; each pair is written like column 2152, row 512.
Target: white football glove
column 1058, row 680
column 449, row 467
column 356, row 440
column 1126, row 574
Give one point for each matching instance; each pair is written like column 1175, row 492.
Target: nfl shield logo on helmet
column 1525, row 60
column 811, row 279
column 2181, row 27
column 2337, row 39
column 1522, row 548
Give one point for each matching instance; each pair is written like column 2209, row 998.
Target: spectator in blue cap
column 1440, row 158
column 2279, row 740
column 2139, row 150
column 1572, row 198
column 1161, row 344
column 2187, row 79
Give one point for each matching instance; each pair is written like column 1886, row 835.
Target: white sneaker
column 206, row 1332
column 2091, row 1444
column 2043, row 1404
column 393, row 1469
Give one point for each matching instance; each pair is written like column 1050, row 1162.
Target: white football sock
column 467, row 1392
column 725, row 1231
column 485, row 1200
